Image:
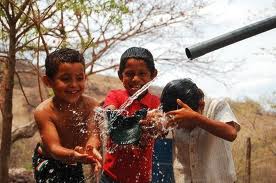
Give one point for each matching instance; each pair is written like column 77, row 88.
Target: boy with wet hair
column 205, row 128
column 69, row 135
column 133, row 162
column 183, row 89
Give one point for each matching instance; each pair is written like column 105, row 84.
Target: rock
column 20, row 175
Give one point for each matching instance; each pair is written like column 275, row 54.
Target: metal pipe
column 223, row 40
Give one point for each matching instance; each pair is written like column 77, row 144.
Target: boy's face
column 69, row 82
column 135, row 75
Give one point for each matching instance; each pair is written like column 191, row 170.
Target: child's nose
column 74, row 83
column 136, row 77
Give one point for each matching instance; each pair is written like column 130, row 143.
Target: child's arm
column 51, row 141
column 93, row 143
column 153, row 123
column 186, row 115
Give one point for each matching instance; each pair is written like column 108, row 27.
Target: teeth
column 137, row 86
column 73, row 92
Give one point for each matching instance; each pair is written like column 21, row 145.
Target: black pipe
column 230, row 38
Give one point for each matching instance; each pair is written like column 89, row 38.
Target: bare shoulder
column 90, row 101
column 43, row 110
column 45, row 105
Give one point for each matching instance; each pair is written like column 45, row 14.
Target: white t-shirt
column 199, row 156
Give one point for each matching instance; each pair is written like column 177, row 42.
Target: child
column 65, row 122
column 202, row 151
column 131, row 163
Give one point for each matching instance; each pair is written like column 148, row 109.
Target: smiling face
column 68, row 83
column 135, row 75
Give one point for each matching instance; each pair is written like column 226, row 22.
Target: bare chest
column 73, row 128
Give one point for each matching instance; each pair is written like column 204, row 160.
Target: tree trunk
column 248, row 161
column 3, row 79
column 7, row 115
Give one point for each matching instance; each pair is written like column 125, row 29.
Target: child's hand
column 184, row 117
column 96, row 155
column 152, row 119
column 79, row 155
column 152, row 125
column 87, row 156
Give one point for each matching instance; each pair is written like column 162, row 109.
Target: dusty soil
column 20, row 175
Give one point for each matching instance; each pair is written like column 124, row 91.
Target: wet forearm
column 217, row 128
column 94, row 141
column 63, row 154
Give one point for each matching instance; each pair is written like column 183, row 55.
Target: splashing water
column 101, row 118
column 130, row 100
column 100, row 112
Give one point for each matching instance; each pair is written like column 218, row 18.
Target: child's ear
column 154, row 74
column 47, row 81
column 201, row 105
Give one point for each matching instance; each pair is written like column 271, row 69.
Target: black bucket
column 125, row 130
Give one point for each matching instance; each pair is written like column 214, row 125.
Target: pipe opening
column 188, row 53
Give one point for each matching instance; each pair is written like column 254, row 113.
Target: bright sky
column 256, row 77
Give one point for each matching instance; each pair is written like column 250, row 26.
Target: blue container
column 162, row 170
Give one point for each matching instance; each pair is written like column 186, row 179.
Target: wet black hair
column 137, row 53
column 63, row 55
column 185, row 90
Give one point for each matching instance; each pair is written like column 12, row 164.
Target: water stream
column 101, row 118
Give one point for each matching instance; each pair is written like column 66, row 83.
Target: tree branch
column 101, row 70
column 25, row 131
column 4, row 24
column 22, row 89
column 21, row 9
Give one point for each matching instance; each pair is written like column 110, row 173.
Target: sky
column 256, row 76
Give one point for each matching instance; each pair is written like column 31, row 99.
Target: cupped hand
column 94, row 155
column 79, row 155
column 152, row 117
column 152, row 125
column 88, row 155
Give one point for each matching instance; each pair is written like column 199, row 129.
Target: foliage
column 97, row 26
column 273, row 100
column 31, row 29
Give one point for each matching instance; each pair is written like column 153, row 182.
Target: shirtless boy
column 69, row 136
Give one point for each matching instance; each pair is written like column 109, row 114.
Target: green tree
column 30, row 29
column 17, row 19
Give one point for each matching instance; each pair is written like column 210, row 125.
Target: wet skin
column 66, row 120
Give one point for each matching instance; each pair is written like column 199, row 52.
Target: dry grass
column 260, row 127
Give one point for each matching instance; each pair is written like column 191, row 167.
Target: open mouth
column 73, row 92
column 136, row 87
